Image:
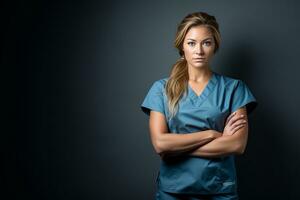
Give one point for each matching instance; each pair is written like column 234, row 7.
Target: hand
column 233, row 123
column 216, row 134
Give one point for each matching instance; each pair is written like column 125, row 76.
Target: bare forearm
column 170, row 143
column 222, row 146
column 233, row 140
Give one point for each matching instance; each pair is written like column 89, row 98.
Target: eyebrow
column 202, row 40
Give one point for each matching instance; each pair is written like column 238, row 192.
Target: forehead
column 198, row 33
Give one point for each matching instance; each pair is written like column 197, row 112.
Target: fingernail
column 242, row 115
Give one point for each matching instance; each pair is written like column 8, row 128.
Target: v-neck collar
column 205, row 92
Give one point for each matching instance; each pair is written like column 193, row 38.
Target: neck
column 199, row 74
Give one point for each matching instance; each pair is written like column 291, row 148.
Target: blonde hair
column 177, row 83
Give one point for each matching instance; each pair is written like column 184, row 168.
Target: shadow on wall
column 262, row 169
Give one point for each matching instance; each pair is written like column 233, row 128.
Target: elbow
column 159, row 147
column 240, row 149
column 240, row 152
column 158, row 150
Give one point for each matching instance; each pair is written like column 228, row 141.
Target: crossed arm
column 209, row 143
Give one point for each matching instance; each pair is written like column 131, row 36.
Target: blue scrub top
column 193, row 174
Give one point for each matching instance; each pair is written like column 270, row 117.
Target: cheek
column 210, row 52
column 188, row 52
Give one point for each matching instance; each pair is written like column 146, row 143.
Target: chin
column 199, row 65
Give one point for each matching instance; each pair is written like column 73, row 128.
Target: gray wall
column 82, row 70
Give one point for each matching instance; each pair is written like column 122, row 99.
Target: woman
column 198, row 118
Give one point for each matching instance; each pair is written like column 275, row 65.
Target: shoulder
column 228, row 81
column 162, row 80
column 160, row 83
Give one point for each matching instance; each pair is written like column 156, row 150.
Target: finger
column 229, row 132
column 236, row 118
column 232, row 130
column 237, row 125
column 238, row 122
column 237, row 128
column 230, row 116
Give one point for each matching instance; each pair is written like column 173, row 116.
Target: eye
column 191, row 43
column 207, row 43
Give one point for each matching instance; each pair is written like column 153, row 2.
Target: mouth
column 199, row 59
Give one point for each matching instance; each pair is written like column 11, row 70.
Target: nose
column 199, row 50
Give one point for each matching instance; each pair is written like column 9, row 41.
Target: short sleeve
column 242, row 96
column 154, row 99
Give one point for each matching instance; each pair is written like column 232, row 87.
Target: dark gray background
column 82, row 69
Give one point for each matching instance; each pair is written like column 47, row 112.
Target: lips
column 199, row 60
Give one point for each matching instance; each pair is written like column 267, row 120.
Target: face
column 198, row 46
